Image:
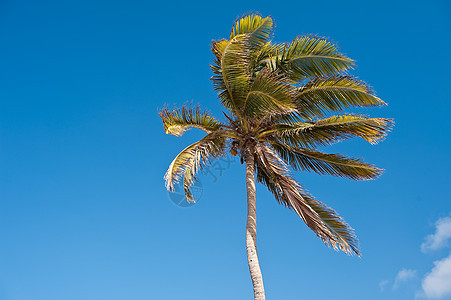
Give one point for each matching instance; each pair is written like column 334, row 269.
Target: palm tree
column 278, row 100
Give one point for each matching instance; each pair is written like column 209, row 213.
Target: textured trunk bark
column 251, row 231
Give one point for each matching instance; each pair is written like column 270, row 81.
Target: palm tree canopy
column 280, row 101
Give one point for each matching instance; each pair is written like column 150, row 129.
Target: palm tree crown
column 279, row 100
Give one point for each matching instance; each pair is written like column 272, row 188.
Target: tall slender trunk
column 251, row 231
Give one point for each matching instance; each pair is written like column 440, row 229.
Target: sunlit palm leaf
column 336, row 225
column 220, row 86
column 176, row 122
column 323, row 163
column 310, row 56
column 218, row 47
column 269, row 94
column 201, row 157
column 234, row 72
column 191, row 159
column 266, row 56
column 257, row 30
column 233, row 59
column 321, row 219
column 334, row 93
column 333, row 129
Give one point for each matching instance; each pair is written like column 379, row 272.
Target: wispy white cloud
column 403, row 276
column 441, row 236
column 383, row 284
column 437, row 283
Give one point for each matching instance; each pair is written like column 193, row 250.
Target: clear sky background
column 84, row 213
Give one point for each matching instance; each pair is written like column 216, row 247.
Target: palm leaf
column 192, row 159
column 266, row 56
column 219, row 83
column 232, row 77
column 257, row 29
column 311, row 56
column 269, row 94
column 337, row 226
column 330, row 130
column 201, row 157
column 325, row 222
column 334, row 93
column 323, row 163
column 233, row 59
column 176, row 122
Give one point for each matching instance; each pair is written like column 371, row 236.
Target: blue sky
column 84, row 213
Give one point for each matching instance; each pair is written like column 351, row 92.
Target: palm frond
column 266, row 56
column 257, row 29
column 269, row 94
column 333, row 129
column 231, row 69
column 324, row 163
column 336, row 225
column 234, row 58
column 325, row 222
column 334, row 93
column 311, row 56
column 218, row 48
column 219, row 85
column 202, row 156
column 192, row 159
column 177, row 121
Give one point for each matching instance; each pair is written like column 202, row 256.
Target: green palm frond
column 325, row 222
column 334, row 93
column 176, row 122
column 269, row 94
column 266, row 56
column 218, row 48
column 202, row 156
column 233, row 59
column 324, row 163
column 232, row 78
column 192, row 159
column 330, row 130
column 257, row 29
column 336, row 225
column 311, row 56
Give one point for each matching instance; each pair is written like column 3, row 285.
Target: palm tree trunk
column 251, row 231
